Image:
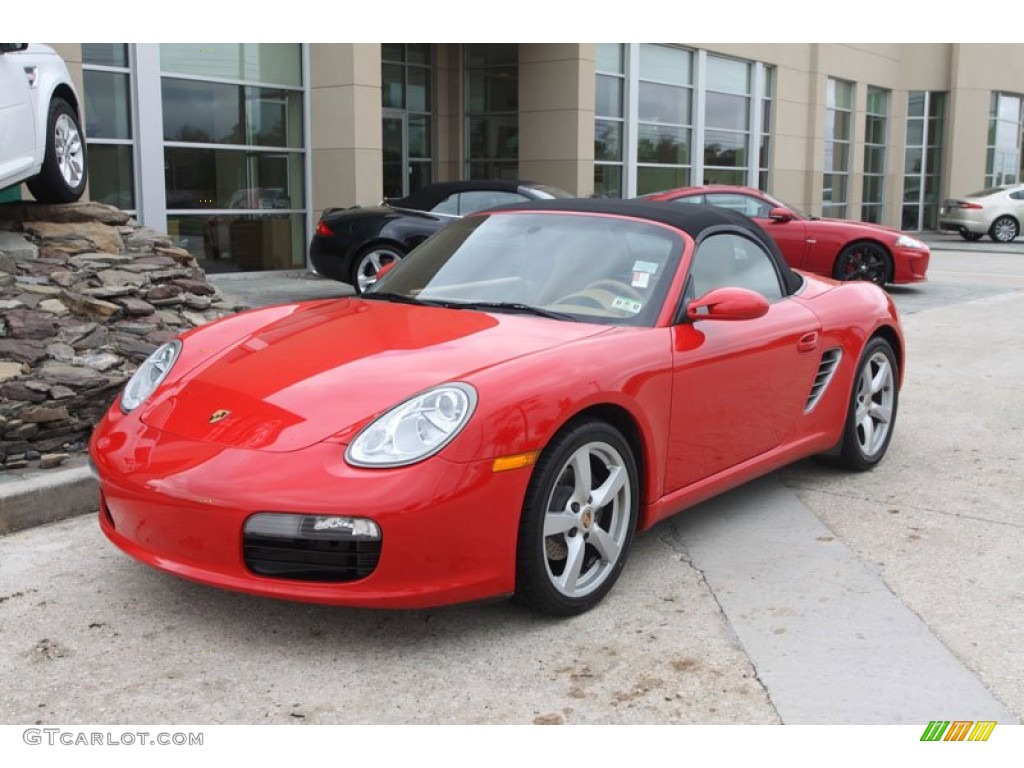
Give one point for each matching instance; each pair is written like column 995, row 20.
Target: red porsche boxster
column 839, row 248
column 499, row 414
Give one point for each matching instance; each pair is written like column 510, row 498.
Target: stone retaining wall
column 86, row 293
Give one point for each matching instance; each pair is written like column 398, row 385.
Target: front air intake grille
column 826, row 368
column 306, row 552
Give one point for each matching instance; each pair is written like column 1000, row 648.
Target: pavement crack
column 674, row 541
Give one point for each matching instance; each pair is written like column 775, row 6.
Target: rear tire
column 65, row 169
column 871, row 415
column 578, row 520
column 1004, row 229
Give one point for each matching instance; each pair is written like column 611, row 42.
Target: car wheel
column 971, row 237
column 872, row 410
column 864, row 261
column 578, row 520
column 62, row 179
column 370, row 261
column 1004, row 229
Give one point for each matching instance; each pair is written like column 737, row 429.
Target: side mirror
column 781, row 215
column 728, row 304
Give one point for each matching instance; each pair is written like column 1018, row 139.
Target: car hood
column 329, row 367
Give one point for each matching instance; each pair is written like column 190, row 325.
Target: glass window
column 655, row 178
column 838, row 115
column 728, row 75
column 727, row 111
column 723, row 148
column 608, row 141
column 279, row 63
column 666, row 64
column 1006, row 123
column 479, row 200
column 745, row 204
column 610, row 58
column 111, row 175
column 105, row 54
column 245, row 242
column 608, row 96
column 492, row 119
column 107, row 105
column 230, row 178
column 663, row 144
column 732, row 261
column 664, row 103
column 223, row 113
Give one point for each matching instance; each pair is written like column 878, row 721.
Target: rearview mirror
column 780, row 215
column 728, row 304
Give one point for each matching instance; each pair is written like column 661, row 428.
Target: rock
column 133, row 346
column 60, row 351
column 38, row 413
column 23, row 432
column 87, row 211
column 155, row 261
column 17, row 390
column 42, row 290
column 101, row 361
column 53, row 306
column 78, row 237
column 23, row 350
column 71, row 332
column 59, row 392
column 63, row 278
column 87, row 305
column 171, row 302
column 195, row 318
column 9, row 371
column 71, row 375
column 50, row 460
column 162, row 292
column 32, row 455
column 191, row 285
column 121, row 277
column 17, row 247
column 7, row 304
column 109, row 291
column 162, row 275
column 98, row 260
column 146, row 239
column 197, row 302
column 15, row 464
column 97, row 338
column 25, row 324
column 30, row 300
column 136, row 307
column 139, row 329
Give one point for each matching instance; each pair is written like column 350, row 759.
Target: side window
column 1019, row 195
column 450, row 205
column 471, row 202
column 691, row 199
column 733, row 261
column 748, row 206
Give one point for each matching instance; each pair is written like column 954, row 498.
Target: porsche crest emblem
column 219, row 416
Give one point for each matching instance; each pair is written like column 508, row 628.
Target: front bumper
column 910, row 265
column 448, row 530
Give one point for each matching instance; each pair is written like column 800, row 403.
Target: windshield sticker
column 621, row 302
column 645, row 266
column 641, row 279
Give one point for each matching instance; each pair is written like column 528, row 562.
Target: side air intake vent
column 827, row 367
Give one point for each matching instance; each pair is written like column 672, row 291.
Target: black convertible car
column 352, row 244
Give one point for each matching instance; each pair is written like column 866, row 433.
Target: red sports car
column 499, row 414
column 839, row 248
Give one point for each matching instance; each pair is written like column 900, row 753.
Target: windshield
column 587, row 267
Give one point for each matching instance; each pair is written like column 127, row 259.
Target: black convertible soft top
column 691, row 218
column 426, row 198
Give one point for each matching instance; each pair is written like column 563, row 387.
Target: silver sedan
column 997, row 212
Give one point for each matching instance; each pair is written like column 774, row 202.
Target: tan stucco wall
column 345, row 117
column 556, row 115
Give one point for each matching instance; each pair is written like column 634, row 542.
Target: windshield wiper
column 400, row 298
column 511, row 306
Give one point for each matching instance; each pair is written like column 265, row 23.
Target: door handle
column 808, row 342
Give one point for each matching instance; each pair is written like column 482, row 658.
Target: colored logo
column 219, row 416
column 958, row 730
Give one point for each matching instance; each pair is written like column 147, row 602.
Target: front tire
column 864, row 261
column 369, row 263
column 578, row 520
column 64, row 173
column 1004, row 229
column 872, row 411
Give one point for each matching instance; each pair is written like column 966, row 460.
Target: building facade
column 235, row 149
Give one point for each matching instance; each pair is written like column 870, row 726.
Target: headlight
column 909, row 242
column 415, row 429
column 149, row 375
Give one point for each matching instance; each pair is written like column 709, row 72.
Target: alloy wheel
column 1004, row 229
column 876, row 395
column 587, row 519
column 69, row 150
column 863, row 261
column 370, row 265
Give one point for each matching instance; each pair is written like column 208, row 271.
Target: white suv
column 41, row 137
